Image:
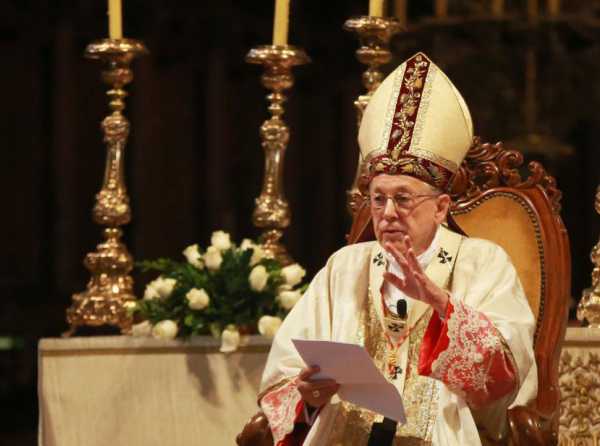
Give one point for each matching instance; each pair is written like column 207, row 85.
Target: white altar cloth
column 119, row 390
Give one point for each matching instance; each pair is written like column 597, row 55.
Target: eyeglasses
column 402, row 201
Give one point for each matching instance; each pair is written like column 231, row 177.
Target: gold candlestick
column 110, row 285
column 497, row 8
column 553, row 7
column 589, row 306
column 374, row 34
column 272, row 213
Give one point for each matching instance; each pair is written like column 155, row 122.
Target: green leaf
column 189, row 320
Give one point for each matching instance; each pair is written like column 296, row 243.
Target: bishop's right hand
column 316, row 392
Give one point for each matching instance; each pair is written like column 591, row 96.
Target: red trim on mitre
column 420, row 168
column 408, row 103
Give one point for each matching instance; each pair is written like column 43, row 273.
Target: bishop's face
column 403, row 205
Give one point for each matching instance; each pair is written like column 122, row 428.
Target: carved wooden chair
column 492, row 201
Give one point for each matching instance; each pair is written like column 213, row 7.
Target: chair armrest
column 531, row 428
column 256, row 432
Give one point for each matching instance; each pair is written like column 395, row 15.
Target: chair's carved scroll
column 489, row 166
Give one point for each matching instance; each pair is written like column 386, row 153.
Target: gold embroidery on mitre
column 353, row 424
column 428, row 155
column 420, row 168
column 408, row 106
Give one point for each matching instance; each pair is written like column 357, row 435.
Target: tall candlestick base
column 589, row 306
column 272, row 213
column 110, row 285
column 374, row 34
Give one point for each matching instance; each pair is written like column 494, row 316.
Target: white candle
column 115, row 21
column 281, row 22
column 376, row 8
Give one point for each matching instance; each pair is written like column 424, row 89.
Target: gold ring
column 316, row 394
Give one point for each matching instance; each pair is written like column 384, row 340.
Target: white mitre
column 416, row 123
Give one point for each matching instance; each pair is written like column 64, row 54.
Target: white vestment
column 460, row 372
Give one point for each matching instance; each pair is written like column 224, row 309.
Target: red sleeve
column 468, row 354
column 283, row 407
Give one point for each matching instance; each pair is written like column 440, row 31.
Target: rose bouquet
column 225, row 290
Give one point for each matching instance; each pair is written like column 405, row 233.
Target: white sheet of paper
column 361, row 383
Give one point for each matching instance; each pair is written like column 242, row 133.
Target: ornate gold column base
column 272, row 213
column 374, row 34
column 110, row 286
column 580, row 388
column 589, row 306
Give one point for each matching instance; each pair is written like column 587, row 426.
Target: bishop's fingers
column 413, row 261
column 397, row 254
column 318, row 393
column 395, row 280
column 307, row 372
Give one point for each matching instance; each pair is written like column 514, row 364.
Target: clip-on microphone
column 401, row 308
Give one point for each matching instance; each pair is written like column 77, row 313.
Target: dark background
column 194, row 162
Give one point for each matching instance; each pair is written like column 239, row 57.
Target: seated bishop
column 443, row 316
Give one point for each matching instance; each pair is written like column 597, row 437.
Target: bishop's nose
column 389, row 210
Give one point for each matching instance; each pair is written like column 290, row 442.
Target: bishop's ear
column 443, row 205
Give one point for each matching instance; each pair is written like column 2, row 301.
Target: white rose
column 230, row 339
column 164, row 287
column 287, row 299
column 246, row 244
column 197, row 299
column 159, row 288
column 151, row 292
column 192, row 254
column 284, row 287
column 257, row 255
column 220, row 240
column 268, row 325
column 142, row 329
column 293, row 274
column 166, row 329
column 258, row 278
column 213, row 258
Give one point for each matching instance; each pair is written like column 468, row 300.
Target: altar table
column 120, row 390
